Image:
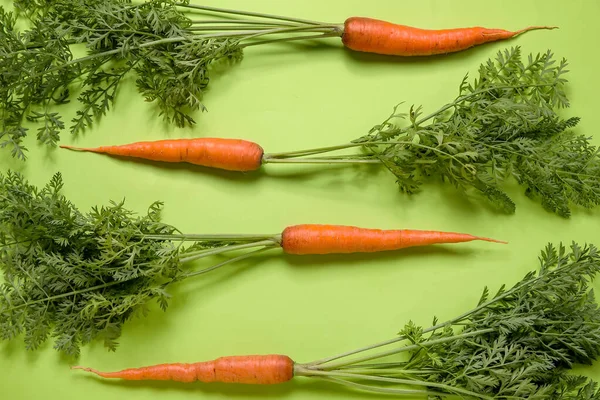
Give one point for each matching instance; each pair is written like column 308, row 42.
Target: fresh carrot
column 220, row 40
column 330, row 239
column 253, row 370
column 228, row 154
column 382, row 37
column 547, row 323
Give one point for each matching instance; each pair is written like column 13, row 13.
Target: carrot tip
column 64, row 146
column 86, row 369
column 492, row 240
column 533, row 28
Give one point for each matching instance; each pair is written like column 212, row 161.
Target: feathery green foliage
column 49, row 249
column 77, row 276
column 503, row 124
column 519, row 344
column 154, row 42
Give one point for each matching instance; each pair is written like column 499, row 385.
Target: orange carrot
column 330, row 239
column 253, row 370
column 228, row 154
column 381, row 37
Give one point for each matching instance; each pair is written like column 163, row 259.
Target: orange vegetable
column 381, row 37
column 329, row 239
column 228, row 154
column 254, row 370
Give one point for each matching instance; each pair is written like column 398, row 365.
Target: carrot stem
column 301, row 372
column 249, row 14
column 240, row 21
column 63, row 295
column 307, row 37
column 228, row 28
column 319, row 161
column 433, row 328
column 216, row 238
column 402, row 349
column 308, row 152
column 321, row 28
column 211, row 252
column 231, row 260
column 351, row 353
column 377, row 389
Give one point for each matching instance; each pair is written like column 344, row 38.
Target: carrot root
column 252, row 370
column 338, row 239
column 382, row 37
column 227, row 154
column 533, row 28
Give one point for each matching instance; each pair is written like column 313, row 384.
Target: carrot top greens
column 503, row 124
column 78, row 276
column 518, row 344
column 165, row 47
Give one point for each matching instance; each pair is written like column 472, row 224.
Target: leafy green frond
column 73, row 276
column 150, row 40
column 504, row 124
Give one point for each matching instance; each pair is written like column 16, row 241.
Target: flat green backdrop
column 289, row 97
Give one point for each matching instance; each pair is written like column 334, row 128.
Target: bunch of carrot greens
column 80, row 276
column 519, row 344
column 77, row 277
column 503, row 124
column 169, row 46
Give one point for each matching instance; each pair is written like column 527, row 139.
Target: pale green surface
column 289, row 97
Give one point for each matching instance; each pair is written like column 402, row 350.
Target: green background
column 290, row 97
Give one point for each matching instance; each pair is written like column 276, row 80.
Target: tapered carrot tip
column 534, row 28
column 339, row 239
column 64, row 146
column 491, row 240
column 86, row 369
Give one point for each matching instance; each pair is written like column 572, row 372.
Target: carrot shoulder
column 331, row 239
column 252, row 369
column 381, row 37
column 228, row 154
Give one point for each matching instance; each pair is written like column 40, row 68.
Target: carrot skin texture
column 337, row 239
column 382, row 37
column 227, row 154
column 250, row 370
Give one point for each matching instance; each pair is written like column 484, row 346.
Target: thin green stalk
column 225, row 249
column 63, row 295
column 350, row 353
column 240, row 21
column 229, row 28
column 285, row 156
column 306, row 37
column 215, row 238
column 475, row 93
column 393, row 380
column 384, row 371
column 104, row 54
column 249, row 14
column 403, row 349
column 377, row 389
column 321, row 28
column 16, row 242
column 433, row 328
column 111, row 30
column 319, row 161
column 249, row 35
column 318, row 150
column 230, row 261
